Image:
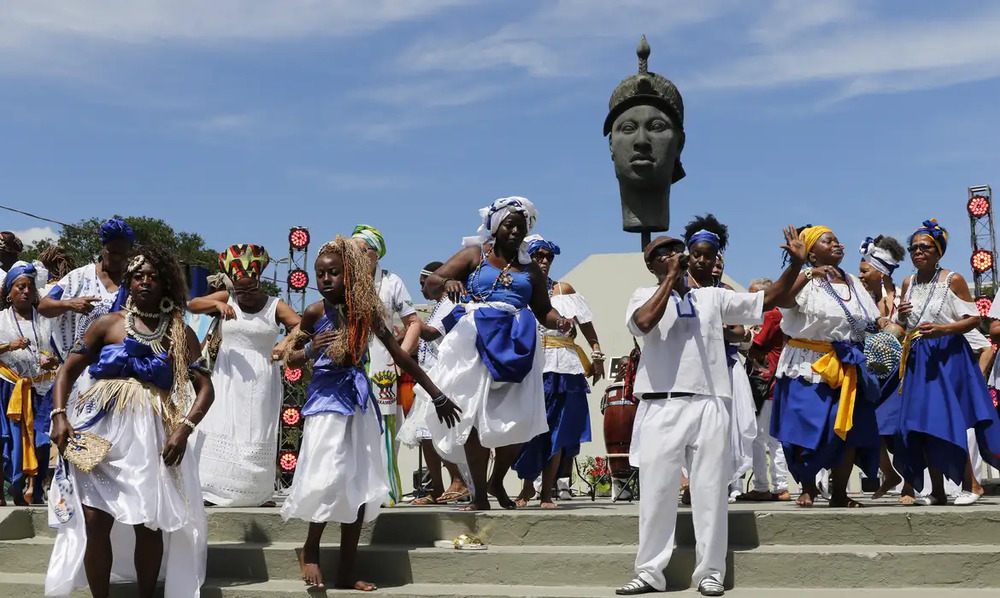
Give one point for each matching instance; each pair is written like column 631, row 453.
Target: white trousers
column 691, row 431
column 762, row 445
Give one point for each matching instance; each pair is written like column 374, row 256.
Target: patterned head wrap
column 936, row 232
column 244, row 261
column 372, row 236
column 35, row 271
column 538, row 242
column 705, row 236
column 495, row 213
column 811, row 235
column 878, row 258
column 116, row 229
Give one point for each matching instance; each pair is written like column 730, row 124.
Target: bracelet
column 57, row 412
column 308, row 350
column 188, row 423
column 809, row 273
column 439, row 400
column 597, row 356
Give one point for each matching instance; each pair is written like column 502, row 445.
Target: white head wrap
column 879, row 258
column 495, row 213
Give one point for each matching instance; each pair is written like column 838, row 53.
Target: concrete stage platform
column 584, row 549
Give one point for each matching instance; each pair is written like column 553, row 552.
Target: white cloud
column 32, row 235
column 350, row 181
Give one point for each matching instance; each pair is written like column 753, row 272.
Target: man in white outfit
column 682, row 381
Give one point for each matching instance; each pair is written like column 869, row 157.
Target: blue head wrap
column 116, row 229
column 537, row 242
column 706, row 237
column 936, row 232
column 18, row 270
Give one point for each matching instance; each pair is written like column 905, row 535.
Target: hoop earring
column 167, row 305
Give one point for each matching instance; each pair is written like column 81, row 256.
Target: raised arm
column 650, row 313
column 450, row 277
column 791, row 282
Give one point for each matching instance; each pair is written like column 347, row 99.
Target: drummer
column 683, row 381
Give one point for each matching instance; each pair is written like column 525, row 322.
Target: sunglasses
column 921, row 247
column 542, row 257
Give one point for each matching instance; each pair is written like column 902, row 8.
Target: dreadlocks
column 175, row 294
column 57, row 261
column 364, row 308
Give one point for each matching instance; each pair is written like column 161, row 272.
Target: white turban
column 495, row 213
column 879, row 258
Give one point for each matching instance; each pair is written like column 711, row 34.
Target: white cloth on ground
column 238, row 439
column 691, row 431
column 134, row 486
column 341, row 468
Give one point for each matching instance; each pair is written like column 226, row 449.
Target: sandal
column 424, row 501
column 449, row 497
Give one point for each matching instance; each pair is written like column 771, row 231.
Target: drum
column 405, row 394
column 619, row 415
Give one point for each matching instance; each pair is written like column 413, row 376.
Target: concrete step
column 849, row 566
column 585, row 523
column 32, row 586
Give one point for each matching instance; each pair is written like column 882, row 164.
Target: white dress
column 743, row 422
column 238, row 439
column 427, row 357
column 135, row 487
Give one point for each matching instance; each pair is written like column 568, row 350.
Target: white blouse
column 563, row 360
column 26, row 362
column 936, row 303
column 818, row 316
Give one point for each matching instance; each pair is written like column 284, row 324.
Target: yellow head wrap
column 811, row 235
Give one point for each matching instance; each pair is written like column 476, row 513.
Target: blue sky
column 237, row 119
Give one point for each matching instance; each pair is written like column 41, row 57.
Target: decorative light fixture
column 983, row 304
column 293, row 375
column 288, row 461
column 291, row 416
column 981, row 261
column 298, row 238
column 978, row 206
column 298, row 280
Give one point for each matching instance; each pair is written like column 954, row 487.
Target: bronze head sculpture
column 646, row 127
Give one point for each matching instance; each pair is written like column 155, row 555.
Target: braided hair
column 365, row 310
column 57, row 261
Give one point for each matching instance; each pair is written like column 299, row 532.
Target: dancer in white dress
column 237, row 444
column 142, row 404
column 341, row 474
column 491, row 361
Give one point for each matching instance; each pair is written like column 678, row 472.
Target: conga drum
column 405, row 395
column 619, row 415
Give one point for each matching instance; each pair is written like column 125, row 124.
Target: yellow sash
column 836, row 375
column 564, row 342
column 20, row 410
column 908, row 341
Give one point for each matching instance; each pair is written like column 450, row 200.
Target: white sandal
column 710, row 587
column 966, row 498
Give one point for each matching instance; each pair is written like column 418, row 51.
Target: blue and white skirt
column 568, row 416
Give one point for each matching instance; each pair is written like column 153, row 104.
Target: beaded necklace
column 504, row 279
column 36, row 348
column 858, row 327
column 153, row 340
column 933, row 284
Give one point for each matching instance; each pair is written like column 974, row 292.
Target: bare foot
column 526, row 495
column 361, row 586
column 309, row 564
column 887, row 485
column 907, row 501
column 498, row 492
column 476, row 505
column 548, row 505
column 845, row 502
column 786, row 495
column 977, row 489
column 805, row 500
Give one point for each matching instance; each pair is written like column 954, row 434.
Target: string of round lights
column 291, row 416
column 298, row 238
column 981, row 261
column 983, row 305
column 978, row 206
column 288, row 461
column 298, row 279
column 293, row 375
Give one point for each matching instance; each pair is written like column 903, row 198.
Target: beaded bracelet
column 57, row 412
column 188, row 423
column 439, row 400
